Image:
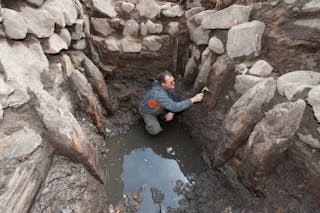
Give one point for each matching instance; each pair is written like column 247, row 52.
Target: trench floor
column 138, row 161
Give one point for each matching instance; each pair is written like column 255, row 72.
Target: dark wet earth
column 156, row 168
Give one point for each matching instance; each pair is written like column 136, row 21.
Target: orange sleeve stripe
column 153, row 104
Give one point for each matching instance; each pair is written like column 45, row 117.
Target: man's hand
column 197, row 98
column 169, row 116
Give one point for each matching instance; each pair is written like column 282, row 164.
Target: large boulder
column 245, row 39
column 198, row 18
column 20, row 143
column 130, row 45
column 54, row 44
column 216, row 45
column 22, row 63
column 220, row 71
column 131, row 28
column 245, row 82
column 15, row 27
column 36, row 2
column 25, row 160
column 261, row 68
column 311, row 6
column 314, row 101
column 148, row 8
column 242, row 117
column 153, row 42
column 175, row 11
column 226, row 18
column 294, row 83
column 191, row 66
column 105, row 7
column 269, row 141
column 66, row 135
column 204, row 72
column 40, row 21
column 199, row 35
column 102, row 26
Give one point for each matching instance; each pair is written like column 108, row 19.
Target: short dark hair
column 161, row 77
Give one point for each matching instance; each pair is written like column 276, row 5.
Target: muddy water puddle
column 138, row 162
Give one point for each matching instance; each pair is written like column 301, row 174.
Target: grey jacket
column 158, row 100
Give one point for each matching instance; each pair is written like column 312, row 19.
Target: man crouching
column 161, row 99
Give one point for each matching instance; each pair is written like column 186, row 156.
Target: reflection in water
column 136, row 160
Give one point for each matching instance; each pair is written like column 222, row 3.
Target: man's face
column 169, row 82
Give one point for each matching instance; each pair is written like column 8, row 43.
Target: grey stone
column 191, row 66
column 226, row 18
column 200, row 36
column 314, row 101
column 245, row 82
column 1, row 15
column 204, row 71
column 290, row 1
column 102, row 26
column 245, row 39
column 241, row 117
column 204, row 56
column 113, row 44
column 69, row 11
column 296, row 82
column 143, row 29
column 261, row 68
column 5, row 91
column 173, row 28
column 22, row 63
column 311, row 6
column 96, row 79
column 175, row 11
column 54, row 44
column 148, row 8
column 241, row 68
column 154, row 28
column 131, row 28
column 19, row 144
column 65, row 132
column 80, row 45
column 36, row 2
column 21, row 180
column 219, row 74
column 77, row 32
column 309, row 23
column 130, row 45
column 54, row 77
column 198, row 18
column 40, row 21
column 1, row 111
column 193, row 11
column 216, row 45
column 15, row 27
column 56, row 10
column 105, row 7
column 66, row 36
column 127, row 6
column 310, row 140
column 269, row 141
column 67, row 65
column 152, row 42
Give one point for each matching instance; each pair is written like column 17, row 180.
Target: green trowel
column 205, row 89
